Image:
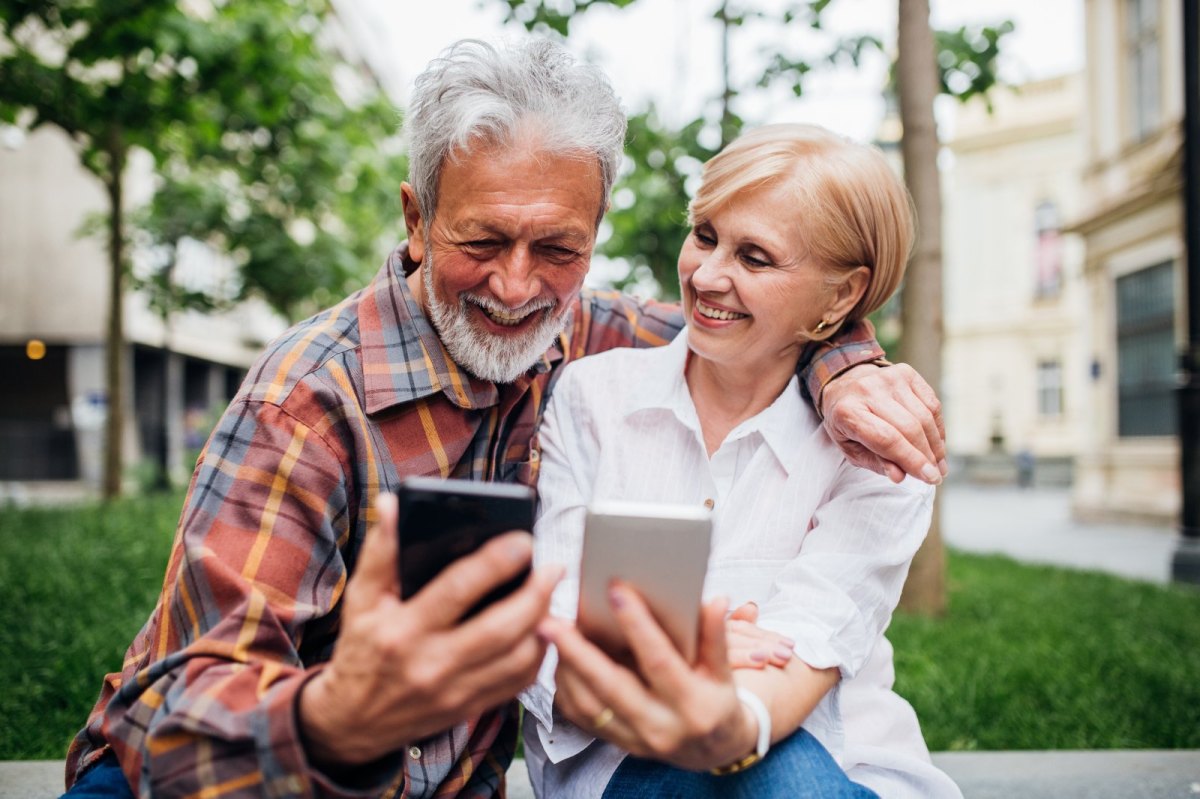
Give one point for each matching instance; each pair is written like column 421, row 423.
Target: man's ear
column 849, row 291
column 413, row 222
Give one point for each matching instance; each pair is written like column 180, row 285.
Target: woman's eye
column 755, row 261
column 704, row 237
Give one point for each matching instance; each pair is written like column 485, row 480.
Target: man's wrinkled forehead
column 526, row 144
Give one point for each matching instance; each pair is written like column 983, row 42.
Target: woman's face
column 750, row 292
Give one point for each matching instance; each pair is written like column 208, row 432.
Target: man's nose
column 514, row 280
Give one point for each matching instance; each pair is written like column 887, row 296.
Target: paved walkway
column 981, row 775
column 1035, row 525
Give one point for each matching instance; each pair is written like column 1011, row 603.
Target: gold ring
column 602, row 718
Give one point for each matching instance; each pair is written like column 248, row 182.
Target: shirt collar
column 784, row 425
column 402, row 356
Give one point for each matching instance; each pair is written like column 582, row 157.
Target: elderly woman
column 795, row 231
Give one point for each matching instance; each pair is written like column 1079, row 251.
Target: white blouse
column 821, row 546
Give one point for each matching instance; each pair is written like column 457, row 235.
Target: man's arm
column 884, row 418
column 215, row 689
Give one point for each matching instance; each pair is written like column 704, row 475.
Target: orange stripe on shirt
column 298, row 349
column 436, row 448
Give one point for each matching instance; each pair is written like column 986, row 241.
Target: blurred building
column 53, row 313
column 1016, row 361
column 180, row 370
column 1131, row 225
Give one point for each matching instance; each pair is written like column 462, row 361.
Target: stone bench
column 1098, row 774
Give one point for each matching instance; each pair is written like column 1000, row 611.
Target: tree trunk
column 115, row 349
column 728, row 133
column 921, row 305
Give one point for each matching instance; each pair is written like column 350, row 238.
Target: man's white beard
column 499, row 359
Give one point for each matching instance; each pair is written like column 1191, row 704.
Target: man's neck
column 416, row 287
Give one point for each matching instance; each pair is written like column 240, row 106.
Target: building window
column 1047, row 250
column 1146, row 352
column 1141, row 42
column 1049, row 388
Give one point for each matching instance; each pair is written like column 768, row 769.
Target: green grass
column 1026, row 658
column 1042, row 658
column 75, row 587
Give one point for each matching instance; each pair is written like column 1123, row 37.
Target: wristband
column 763, row 745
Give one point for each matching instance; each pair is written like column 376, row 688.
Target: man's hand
column 402, row 671
column 887, row 419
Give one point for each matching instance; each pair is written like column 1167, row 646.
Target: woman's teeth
column 714, row 313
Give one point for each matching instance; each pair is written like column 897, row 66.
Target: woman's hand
column 684, row 714
column 751, row 647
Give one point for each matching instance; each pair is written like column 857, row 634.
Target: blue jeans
column 797, row 767
column 105, row 780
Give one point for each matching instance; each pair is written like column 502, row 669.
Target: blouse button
column 414, row 752
column 709, row 503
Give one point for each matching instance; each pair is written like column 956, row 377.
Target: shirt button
column 709, row 503
column 414, row 752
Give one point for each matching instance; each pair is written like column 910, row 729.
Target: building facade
column 179, row 371
column 1132, row 228
column 1016, row 366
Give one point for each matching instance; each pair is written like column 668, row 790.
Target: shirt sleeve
column 605, row 320
column 836, row 597
column 852, row 345
column 206, row 703
column 569, row 451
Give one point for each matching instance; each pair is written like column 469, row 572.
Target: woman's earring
column 820, row 327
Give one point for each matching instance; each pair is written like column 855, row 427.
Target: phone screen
column 443, row 520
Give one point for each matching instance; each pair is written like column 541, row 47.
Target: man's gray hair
column 474, row 91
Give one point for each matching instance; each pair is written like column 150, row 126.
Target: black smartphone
column 442, row 520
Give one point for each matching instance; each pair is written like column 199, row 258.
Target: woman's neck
column 725, row 396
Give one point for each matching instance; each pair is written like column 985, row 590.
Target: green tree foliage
column 648, row 218
column 294, row 182
column 235, row 101
column 647, row 221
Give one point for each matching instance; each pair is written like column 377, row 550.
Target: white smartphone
column 662, row 551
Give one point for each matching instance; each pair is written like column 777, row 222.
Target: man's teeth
column 714, row 313
column 505, row 318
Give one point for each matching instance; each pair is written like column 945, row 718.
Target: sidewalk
column 981, row 775
column 1035, row 525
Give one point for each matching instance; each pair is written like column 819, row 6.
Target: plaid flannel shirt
column 341, row 407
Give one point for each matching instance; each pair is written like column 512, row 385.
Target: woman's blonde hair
column 850, row 205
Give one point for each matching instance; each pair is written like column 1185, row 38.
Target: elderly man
column 280, row 660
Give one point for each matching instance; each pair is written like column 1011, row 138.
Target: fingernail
column 616, row 598
column 944, row 467
column 930, row 474
column 783, row 652
column 758, row 657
